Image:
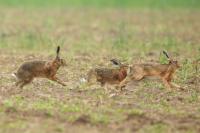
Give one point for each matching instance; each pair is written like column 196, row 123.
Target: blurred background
column 109, row 25
column 103, row 3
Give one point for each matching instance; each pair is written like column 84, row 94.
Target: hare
column 163, row 71
column 45, row 69
column 109, row 75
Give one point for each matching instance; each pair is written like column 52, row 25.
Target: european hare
column 163, row 71
column 109, row 75
column 45, row 69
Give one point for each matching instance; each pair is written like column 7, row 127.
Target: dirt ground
column 89, row 39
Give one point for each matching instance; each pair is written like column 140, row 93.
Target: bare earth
column 89, row 38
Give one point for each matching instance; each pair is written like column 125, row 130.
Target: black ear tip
column 58, row 49
column 164, row 52
column 114, row 61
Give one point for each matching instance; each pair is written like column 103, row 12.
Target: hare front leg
column 124, row 82
column 166, row 83
column 57, row 80
column 175, row 85
column 129, row 78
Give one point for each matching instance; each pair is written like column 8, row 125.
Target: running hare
column 163, row 71
column 45, row 69
column 109, row 75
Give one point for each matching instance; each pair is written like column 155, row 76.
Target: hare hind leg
column 25, row 82
column 18, row 82
column 105, row 86
column 90, row 75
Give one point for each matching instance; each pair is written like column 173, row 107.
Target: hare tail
column 83, row 80
column 14, row 75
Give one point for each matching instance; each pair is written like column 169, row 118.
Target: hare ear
column 58, row 51
column 165, row 53
column 115, row 62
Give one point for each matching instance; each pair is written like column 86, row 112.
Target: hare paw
column 64, row 84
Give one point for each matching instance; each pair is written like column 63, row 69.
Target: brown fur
column 109, row 75
column 163, row 71
column 45, row 69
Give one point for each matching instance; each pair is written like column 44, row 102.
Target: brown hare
column 109, row 75
column 163, row 71
column 45, row 69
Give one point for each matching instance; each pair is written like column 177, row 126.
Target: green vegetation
column 104, row 3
